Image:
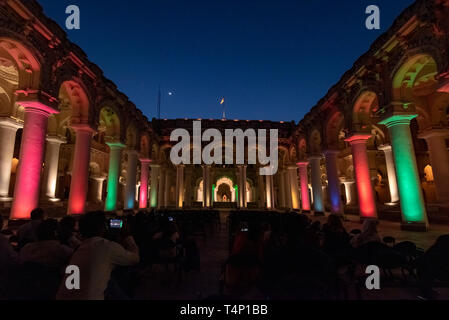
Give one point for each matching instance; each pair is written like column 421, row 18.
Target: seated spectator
column 369, row 234
column 96, row 258
column 241, row 277
column 67, row 233
column 248, row 240
column 336, row 238
column 28, row 232
column 167, row 238
column 434, row 265
column 47, row 251
column 8, row 260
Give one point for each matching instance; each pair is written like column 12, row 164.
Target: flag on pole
column 222, row 103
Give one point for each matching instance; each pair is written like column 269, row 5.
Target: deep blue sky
column 273, row 60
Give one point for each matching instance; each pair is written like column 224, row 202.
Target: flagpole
column 159, row 101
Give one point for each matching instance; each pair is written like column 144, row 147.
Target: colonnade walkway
column 158, row 284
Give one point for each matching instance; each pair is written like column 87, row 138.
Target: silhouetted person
column 96, row 258
column 47, row 250
column 67, row 233
column 369, row 234
column 28, row 232
column 8, row 261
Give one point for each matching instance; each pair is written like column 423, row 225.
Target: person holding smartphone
column 96, row 258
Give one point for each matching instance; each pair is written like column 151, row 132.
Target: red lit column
column 28, row 180
column 143, row 198
column 80, row 170
column 333, row 181
column 367, row 204
column 304, row 181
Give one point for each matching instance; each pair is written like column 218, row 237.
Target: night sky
column 272, row 60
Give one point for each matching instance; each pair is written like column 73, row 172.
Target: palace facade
column 374, row 145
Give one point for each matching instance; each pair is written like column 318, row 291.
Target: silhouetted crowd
column 272, row 256
column 289, row 257
column 109, row 252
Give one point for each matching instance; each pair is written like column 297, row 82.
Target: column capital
column 303, row 163
column 331, row 152
column 434, row 132
column 38, row 106
column 358, row 138
column 397, row 112
column 131, row 152
column 83, row 127
column 145, row 160
column 7, row 122
column 316, row 157
column 56, row 139
column 116, row 145
column 385, row 148
column 155, row 165
column 99, row 178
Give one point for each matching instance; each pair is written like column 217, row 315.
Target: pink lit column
column 304, row 181
column 367, row 204
column 80, row 170
column 26, row 192
column 143, row 199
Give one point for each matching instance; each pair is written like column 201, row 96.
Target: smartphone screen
column 115, row 224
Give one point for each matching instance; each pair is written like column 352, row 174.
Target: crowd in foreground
column 295, row 259
column 109, row 253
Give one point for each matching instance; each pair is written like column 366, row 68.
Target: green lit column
column 414, row 216
column 115, row 157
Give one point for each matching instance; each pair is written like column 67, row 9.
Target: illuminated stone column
column 28, row 179
column 207, row 186
column 180, row 186
column 8, row 130
column 115, row 158
column 414, row 213
column 304, row 181
column 80, row 170
column 439, row 159
column 189, row 189
column 282, row 195
column 50, row 176
column 242, row 186
column 317, row 187
column 143, row 191
column 167, row 184
column 154, row 185
column 293, row 172
column 270, row 192
column 131, row 180
column 99, row 180
column 261, row 191
column 351, row 197
column 333, row 181
column 391, row 172
column 367, row 202
column 161, row 193
column 287, row 189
